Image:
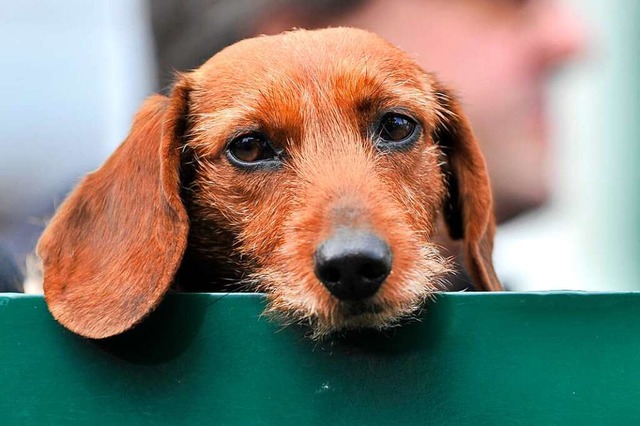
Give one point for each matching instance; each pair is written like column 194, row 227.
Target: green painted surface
column 476, row 359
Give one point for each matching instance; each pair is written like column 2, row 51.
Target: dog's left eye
column 250, row 149
column 396, row 127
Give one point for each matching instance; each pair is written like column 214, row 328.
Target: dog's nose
column 353, row 264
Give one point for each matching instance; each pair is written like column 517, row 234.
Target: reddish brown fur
column 114, row 247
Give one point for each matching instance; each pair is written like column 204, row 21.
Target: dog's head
column 315, row 162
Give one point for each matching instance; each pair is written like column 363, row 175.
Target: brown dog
column 311, row 165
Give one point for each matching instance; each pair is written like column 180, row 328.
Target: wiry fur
column 316, row 94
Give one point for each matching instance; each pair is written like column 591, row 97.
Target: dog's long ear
column 468, row 209
column 111, row 251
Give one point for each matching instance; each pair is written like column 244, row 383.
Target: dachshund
column 313, row 166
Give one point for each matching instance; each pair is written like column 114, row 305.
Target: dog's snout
column 353, row 264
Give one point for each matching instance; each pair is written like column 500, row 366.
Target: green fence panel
column 471, row 359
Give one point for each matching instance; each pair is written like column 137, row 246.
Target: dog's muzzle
column 352, row 264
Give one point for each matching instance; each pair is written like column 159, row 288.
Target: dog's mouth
column 296, row 296
column 358, row 316
column 359, row 308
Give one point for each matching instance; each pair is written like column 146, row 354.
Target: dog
column 312, row 166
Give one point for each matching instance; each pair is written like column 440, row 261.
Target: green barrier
column 472, row 359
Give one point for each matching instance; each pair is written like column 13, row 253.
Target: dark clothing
column 10, row 276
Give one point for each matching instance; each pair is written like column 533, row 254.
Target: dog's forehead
column 337, row 60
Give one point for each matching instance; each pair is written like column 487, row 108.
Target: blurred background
column 551, row 87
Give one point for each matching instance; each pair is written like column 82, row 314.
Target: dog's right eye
column 251, row 149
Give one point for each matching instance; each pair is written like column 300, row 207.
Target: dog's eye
column 251, row 148
column 396, row 127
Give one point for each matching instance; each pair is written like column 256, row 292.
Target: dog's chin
column 365, row 315
column 345, row 317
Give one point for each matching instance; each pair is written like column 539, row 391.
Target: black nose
column 353, row 264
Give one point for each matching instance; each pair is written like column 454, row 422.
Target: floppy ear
column 468, row 208
column 111, row 251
